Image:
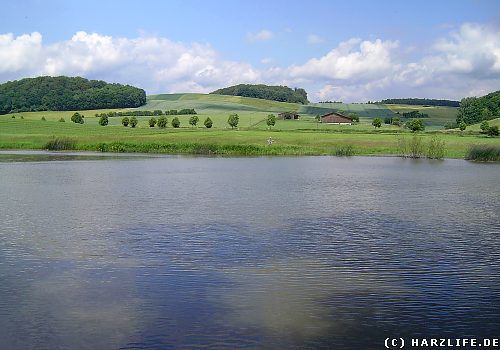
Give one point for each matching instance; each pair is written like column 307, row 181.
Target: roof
column 336, row 114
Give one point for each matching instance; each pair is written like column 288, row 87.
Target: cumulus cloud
column 352, row 59
column 465, row 63
column 263, row 35
column 157, row 64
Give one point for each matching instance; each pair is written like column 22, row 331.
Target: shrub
column 59, row 144
column 162, row 122
column 61, row 120
column 462, row 126
column 344, row 150
column 22, row 117
column 77, row 118
column 103, row 120
column 176, row 122
column 125, row 121
column 485, row 126
column 208, row 123
column 435, row 148
column 152, row 122
column 193, row 120
column 133, row 122
column 493, row 131
column 13, row 117
column 388, row 120
column 415, row 147
column 483, row 153
column 43, row 118
column 396, row 121
column 233, row 120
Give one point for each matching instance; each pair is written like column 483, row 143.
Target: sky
column 350, row 51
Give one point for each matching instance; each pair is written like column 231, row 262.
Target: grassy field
column 438, row 116
column 304, row 136
column 34, row 134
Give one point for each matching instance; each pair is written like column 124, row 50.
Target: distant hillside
column 66, row 93
column 421, row 102
column 475, row 109
column 266, row 92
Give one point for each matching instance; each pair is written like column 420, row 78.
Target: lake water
column 227, row 253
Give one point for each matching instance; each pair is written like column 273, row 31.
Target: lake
column 175, row 252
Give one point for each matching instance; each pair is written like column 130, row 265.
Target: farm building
column 336, row 118
column 288, row 115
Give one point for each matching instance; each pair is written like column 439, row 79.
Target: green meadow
column 291, row 137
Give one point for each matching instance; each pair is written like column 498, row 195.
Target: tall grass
column 198, row 148
column 484, row 153
column 60, row 144
column 344, row 151
column 416, row 148
column 435, row 148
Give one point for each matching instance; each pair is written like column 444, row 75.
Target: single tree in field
column 208, row 123
column 162, row 122
column 176, row 122
column 233, row 120
column 103, row 120
column 271, row 120
column 462, row 126
column 125, row 121
column 377, row 122
column 152, row 122
column 415, row 125
column 193, row 120
column 133, row 122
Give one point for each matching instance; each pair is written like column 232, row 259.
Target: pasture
column 303, row 136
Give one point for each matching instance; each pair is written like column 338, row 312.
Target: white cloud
column 352, row 59
column 314, row 39
column 465, row 63
column 263, row 35
column 17, row 54
column 154, row 63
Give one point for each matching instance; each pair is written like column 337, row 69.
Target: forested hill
column 421, row 101
column 476, row 109
column 66, row 94
column 266, row 92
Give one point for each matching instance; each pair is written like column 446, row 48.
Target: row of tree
column 161, row 122
column 413, row 125
column 419, row 102
column 414, row 114
column 266, row 92
column 154, row 113
column 65, row 94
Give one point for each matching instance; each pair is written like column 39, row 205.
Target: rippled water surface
column 266, row 253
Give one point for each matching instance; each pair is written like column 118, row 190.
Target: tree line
column 266, row 92
column 65, row 94
column 476, row 109
column 154, row 113
column 420, row 102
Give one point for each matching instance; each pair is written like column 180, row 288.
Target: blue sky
column 347, row 50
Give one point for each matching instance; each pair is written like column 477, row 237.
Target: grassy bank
column 36, row 134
